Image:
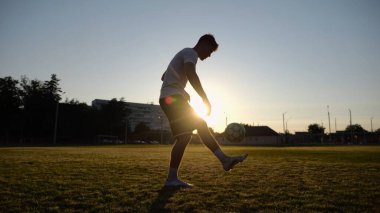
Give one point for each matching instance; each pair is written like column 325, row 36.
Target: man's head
column 205, row 46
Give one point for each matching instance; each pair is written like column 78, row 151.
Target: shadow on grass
column 164, row 194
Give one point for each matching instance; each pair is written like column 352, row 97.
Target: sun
column 200, row 109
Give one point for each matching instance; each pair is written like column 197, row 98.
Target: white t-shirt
column 175, row 78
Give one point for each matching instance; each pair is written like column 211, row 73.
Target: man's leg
column 209, row 140
column 178, row 150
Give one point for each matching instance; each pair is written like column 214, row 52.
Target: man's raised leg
column 209, row 140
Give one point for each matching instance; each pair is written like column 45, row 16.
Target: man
column 174, row 101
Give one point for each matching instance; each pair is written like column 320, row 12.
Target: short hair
column 209, row 38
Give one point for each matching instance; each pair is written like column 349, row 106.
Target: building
column 256, row 136
column 149, row 114
column 261, row 135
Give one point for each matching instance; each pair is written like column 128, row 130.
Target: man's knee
column 202, row 126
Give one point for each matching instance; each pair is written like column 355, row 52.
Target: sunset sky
column 293, row 56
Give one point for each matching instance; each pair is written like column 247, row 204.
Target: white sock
column 220, row 155
column 173, row 173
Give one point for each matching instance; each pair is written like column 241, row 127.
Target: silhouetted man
column 174, row 101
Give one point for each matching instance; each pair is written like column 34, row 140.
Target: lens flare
column 169, row 100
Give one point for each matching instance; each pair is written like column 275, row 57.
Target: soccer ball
column 235, row 132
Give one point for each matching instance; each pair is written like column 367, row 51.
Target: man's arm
column 196, row 84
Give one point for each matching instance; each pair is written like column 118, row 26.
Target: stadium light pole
column 328, row 115
column 226, row 118
column 283, row 121
column 335, row 126
column 371, row 125
column 56, row 123
column 126, row 129
column 22, row 122
column 350, row 117
column 286, row 124
column 352, row 136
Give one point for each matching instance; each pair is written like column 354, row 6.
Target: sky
column 279, row 63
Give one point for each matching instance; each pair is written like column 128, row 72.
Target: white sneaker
column 232, row 161
column 177, row 183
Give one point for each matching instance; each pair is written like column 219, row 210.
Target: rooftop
column 259, row 131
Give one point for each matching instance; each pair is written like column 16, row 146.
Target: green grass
column 129, row 179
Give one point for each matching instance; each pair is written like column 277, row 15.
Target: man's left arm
column 196, row 84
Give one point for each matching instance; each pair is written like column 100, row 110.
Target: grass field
column 129, row 178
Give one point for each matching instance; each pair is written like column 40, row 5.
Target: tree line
column 32, row 112
column 319, row 129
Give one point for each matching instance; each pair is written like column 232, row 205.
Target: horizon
column 333, row 130
column 291, row 58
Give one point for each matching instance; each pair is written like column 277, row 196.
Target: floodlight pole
column 283, row 126
column 371, row 125
column 283, row 121
column 126, row 129
column 56, row 123
column 351, row 126
column 350, row 117
column 286, row 124
column 328, row 114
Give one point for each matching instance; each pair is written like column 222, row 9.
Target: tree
column 355, row 128
column 51, row 89
column 9, row 94
column 10, row 112
column 40, row 101
column 316, row 129
column 76, row 122
column 40, row 93
column 377, row 130
column 112, row 118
